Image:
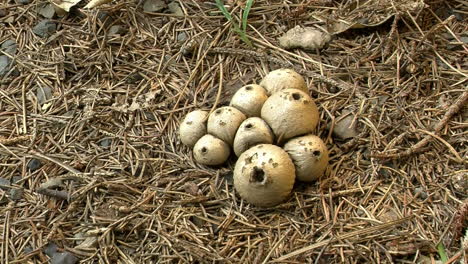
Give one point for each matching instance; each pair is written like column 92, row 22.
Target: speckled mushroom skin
column 264, row 175
column 193, row 127
column 310, row 156
column 290, row 113
column 224, row 122
column 252, row 131
column 249, row 99
column 282, row 79
column 210, row 150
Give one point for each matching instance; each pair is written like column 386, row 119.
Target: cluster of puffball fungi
column 270, row 129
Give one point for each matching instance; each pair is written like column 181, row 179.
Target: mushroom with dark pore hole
column 252, row 131
column 264, row 175
column 210, row 150
column 224, row 122
column 310, row 156
column 249, row 99
column 290, row 113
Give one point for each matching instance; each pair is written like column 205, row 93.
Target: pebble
column 105, row 143
column 4, row 182
column 116, row 30
column 23, row 2
column 45, row 28
column 50, row 249
column 182, row 36
column 16, row 179
column 3, row 12
column 63, row 258
column 4, row 64
column 34, row 164
column 345, row 127
column 9, row 46
column 43, row 94
column 175, row 8
column 16, row 194
column 46, row 10
column 154, row 6
column 419, row 191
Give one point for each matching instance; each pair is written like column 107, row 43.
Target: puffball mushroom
column 224, row 122
column 290, row 113
column 281, row 79
column 264, row 175
column 210, row 150
column 252, row 131
column 193, row 127
column 310, row 156
column 249, row 99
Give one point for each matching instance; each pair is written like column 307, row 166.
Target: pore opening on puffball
column 258, row 175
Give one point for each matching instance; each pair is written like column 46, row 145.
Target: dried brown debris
column 120, row 188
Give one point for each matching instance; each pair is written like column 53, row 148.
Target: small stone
column 45, row 28
column 9, row 46
column 46, row 10
column 9, row 19
column 154, row 6
column 16, row 179
column 50, row 249
column 63, row 258
column 3, row 12
column 4, row 183
column 23, row 2
column 175, row 8
column 16, row 194
column 4, row 64
column 464, row 39
column 43, row 94
column 105, row 143
column 34, row 164
column 182, row 36
column 134, row 78
column 345, row 127
column 116, row 30
column 27, row 250
column 419, row 192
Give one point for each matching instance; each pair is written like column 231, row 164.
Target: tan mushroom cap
column 224, row 122
column 210, row 150
column 281, row 79
column 290, row 113
column 193, row 127
column 264, row 175
column 252, row 131
column 249, row 99
column 310, row 156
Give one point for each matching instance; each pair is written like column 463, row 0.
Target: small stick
column 259, row 56
column 418, row 147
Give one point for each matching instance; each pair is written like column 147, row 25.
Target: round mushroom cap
column 210, row 150
column 193, row 127
column 224, row 122
column 310, row 156
column 252, row 131
column 264, row 175
column 249, row 99
column 290, row 113
column 281, row 79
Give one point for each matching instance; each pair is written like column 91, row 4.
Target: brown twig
column 459, row 104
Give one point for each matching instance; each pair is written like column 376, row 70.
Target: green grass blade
column 245, row 14
column 226, row 14
column 442, row 253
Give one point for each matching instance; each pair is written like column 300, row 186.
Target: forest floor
column 92, row 168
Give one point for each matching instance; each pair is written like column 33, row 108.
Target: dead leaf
column 96, row 3
column 65, row 4
column 307, row 38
